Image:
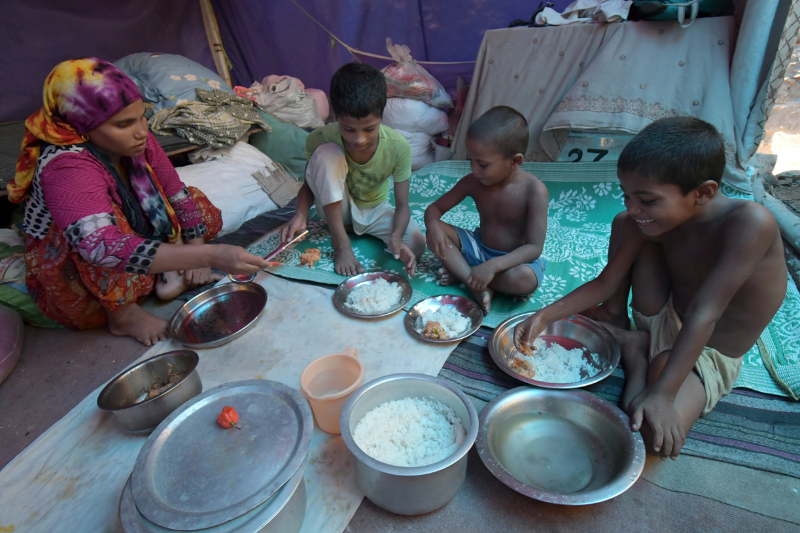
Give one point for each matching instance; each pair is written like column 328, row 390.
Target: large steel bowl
column 409, row 490
column 219, row 315
column 563, row 447
column 575, row 331
column 126, row 394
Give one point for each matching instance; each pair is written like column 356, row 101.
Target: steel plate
column 465, row 306
column 282, row 513
column 562, row 447
column 193, row 474
column 575, row 331
column 341, row 292
column 219, row 315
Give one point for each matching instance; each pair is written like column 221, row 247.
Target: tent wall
column 276, row 37
column 35, row 35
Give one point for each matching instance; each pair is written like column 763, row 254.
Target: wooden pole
column 215, row 41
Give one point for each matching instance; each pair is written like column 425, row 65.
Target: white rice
column 452, row 321
column 556, row 364
column 410, row 432
column 374, row 298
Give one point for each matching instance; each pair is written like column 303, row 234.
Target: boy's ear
column 706, row 191
column 516, row 161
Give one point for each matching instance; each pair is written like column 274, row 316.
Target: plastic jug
column 327, row 382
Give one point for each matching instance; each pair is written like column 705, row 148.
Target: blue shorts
column 476, row 253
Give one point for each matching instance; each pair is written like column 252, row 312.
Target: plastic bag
column 285, row 98
column 421, row 148
column 407, row 79
column 414, row 116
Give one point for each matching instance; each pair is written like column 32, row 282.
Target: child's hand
column 291, row 228
column 481, row 276
column 402, row 252
column 665, row 423
column 438, row 242
column 526, row 331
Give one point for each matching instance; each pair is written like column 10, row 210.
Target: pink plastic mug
column 327, row 383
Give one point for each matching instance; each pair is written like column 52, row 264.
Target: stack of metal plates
column 194, row 475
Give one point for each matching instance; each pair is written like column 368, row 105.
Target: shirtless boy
column 707, row 274
column 347, row 176
column 503, row 254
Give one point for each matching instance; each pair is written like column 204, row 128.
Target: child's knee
column 327, row 159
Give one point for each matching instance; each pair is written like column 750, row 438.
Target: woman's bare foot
column 601, row 313
column 635, row 348
column 446, row 278
column 345, row 262
column 170, row 285
column 131, row 320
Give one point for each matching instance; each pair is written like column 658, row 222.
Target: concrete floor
column 61, row 367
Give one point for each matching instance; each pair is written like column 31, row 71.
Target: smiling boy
column 707, row 274
column 348, row 170
column 503, row 254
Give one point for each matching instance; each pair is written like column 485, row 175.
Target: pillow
column 285, row 144
column 230, row 186
column 164, row 79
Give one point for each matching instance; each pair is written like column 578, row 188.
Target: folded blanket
column 217, row 119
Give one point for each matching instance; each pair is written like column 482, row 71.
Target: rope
column 354, row 51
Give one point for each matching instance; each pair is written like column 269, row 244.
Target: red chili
column 228, row 418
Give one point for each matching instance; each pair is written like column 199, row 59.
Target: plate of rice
column 445, row 318
column 571, row 353
column 372, row 295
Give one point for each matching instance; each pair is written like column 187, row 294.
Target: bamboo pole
column 215, row 41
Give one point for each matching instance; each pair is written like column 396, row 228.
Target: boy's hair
column 502, row 128
column 358, row 90
column 683, row 151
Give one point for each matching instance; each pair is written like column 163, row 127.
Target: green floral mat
column 584, row 197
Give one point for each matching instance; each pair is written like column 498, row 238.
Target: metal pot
column 126, row 394
column 409, row 490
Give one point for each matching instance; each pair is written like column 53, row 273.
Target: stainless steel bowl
column 126, row 394
column 219, row 315
column 563, row 447
column 409, row 490
column 341, row 292
column 575, row 331
column 283, row 512
column 465, row 306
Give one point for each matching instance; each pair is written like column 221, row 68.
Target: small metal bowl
column 347, row 286
column 126, row 394
column 465, row 306
column 219, row 315
column 408, row 490
column 562, row 447
column 575, row 331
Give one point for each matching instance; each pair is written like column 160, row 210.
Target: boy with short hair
column 503, row 254
column 707, row 273
column 347, row 175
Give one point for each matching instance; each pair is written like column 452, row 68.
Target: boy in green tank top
column 347, row 175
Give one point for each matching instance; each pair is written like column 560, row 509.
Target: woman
column 106, row 210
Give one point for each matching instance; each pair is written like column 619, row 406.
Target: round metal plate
column 562, row 447
column 575, row 331
column 288, row 500
column 193, row 474
column 341, row 292
column 465, row 306
column 219, row 315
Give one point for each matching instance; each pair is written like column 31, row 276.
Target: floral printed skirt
column 77, row 294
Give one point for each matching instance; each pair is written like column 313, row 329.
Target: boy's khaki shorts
column 717, row 372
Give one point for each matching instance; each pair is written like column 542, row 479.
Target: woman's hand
column 525, row 332
column 236, row 260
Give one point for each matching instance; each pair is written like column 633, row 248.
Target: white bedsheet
column 70, row 478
